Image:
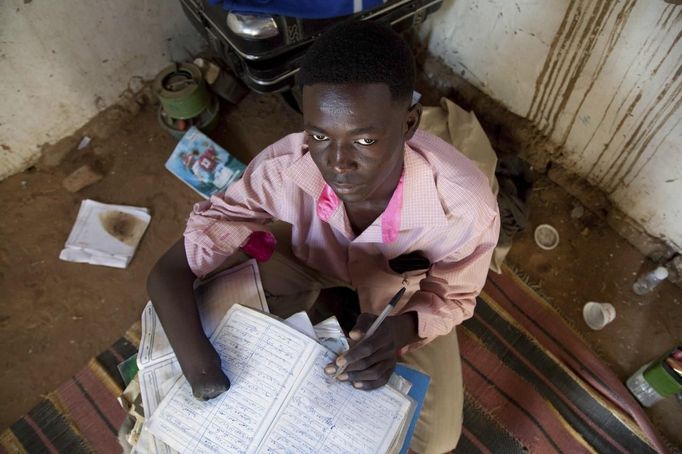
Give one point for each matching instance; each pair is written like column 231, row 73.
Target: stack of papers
column 170, row 409
column 280, row 399
column 105, row 234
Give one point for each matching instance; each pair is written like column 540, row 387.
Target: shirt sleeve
column 447, row 295
column 216, row 228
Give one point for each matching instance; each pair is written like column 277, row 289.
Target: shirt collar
column 414, row 204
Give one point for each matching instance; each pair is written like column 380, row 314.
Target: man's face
column 356, row 136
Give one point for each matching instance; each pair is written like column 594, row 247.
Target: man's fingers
column 362, row 324
column 375, row 372
column 356, row 353
column 372, row 384
column 370, row 360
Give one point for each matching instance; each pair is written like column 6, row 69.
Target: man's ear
column 414, row 115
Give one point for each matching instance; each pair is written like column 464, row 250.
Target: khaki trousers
column 290, row 287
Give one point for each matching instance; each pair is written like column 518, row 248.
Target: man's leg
column 289, row 285
column 440, row 422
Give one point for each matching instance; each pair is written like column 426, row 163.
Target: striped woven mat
column 531, row 385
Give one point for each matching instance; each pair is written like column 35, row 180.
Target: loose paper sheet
column 105, row 234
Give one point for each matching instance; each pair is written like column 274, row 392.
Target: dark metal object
column 270, row 64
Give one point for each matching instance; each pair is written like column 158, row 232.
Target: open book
column 156, row 361
column 280, row 400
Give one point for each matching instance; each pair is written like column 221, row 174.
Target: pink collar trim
column 328, row 203
column 390, row 218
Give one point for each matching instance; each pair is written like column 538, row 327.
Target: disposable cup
column 546, row 237
column 598, row 315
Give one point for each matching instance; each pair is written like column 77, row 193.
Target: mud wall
column 61, row 62
column 601, row 79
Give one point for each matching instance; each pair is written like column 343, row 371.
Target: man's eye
column 319, row 137
column 366, row 141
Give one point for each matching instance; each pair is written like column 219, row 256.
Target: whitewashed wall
column 600, row 77
column 63, row 61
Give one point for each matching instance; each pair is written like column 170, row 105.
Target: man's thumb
column 361, row 326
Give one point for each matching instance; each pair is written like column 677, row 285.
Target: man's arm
column 170, row 287
column 446, row 297
column 216, row 229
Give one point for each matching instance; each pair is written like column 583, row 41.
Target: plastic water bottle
column 649, row 281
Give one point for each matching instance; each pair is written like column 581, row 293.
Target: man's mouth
column 344, row 188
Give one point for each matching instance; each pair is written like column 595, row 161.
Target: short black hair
column 360, row 52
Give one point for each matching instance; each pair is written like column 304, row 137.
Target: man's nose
column 342, row 159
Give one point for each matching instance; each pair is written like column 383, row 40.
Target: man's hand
column 370, row 362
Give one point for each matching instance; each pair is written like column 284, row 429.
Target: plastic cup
column 598, row 315
column 546, row 237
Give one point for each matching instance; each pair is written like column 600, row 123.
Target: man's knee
column 440, row 423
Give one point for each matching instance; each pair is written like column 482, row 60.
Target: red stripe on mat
column 581, row 360
column 475, row 441
column 512, row 417
column 118, row 357
column 86, row 418
column 102, row 396
column 531, row 315
column 46, row 441
column 578, row 412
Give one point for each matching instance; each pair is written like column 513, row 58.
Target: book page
column 152, row 381
column 325, row 415
column 240, row 284
column 301, row 323
column 263, row 359
column 330, row 334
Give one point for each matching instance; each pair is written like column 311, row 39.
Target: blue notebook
column 420, row 384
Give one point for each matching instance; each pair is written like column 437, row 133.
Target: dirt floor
column 55, row 315
column 592, row 263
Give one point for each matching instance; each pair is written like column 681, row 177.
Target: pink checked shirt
column 443, row 207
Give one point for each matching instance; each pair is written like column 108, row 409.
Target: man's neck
column 363, row 213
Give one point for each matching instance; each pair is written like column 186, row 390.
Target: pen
column 372, row 329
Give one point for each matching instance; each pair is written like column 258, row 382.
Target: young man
column 373, row 204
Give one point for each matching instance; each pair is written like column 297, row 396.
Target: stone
column 136, row 84
column 81, row 177
column 674, row 267
column 578, row 211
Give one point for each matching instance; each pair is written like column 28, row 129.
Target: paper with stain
column 105, row 234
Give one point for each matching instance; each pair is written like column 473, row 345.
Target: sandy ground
column 55, row 315
column 592, row 263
